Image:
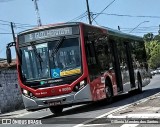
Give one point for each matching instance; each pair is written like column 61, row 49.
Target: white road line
column 129, row 125
column 137, row 116
column 117, row 110
column 91, row 125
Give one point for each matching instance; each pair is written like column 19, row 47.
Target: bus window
column 138, row 54
column 92, row 60
column 103, row 54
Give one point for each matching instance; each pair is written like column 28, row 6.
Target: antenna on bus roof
column 37, row 13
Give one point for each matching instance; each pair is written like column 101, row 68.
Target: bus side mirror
column 8, row 55
column 8, row 51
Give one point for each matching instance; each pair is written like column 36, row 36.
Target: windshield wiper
column 55, row 50
column 37, row 54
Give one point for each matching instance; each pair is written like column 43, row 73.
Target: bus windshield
column 66, row 61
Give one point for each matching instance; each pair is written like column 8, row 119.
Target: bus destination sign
column 47, row 34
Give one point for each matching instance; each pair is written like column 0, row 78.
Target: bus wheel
column 139, row 90
column 109, row 93
column 56, row 110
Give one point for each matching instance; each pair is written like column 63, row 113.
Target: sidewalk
column 145, row 109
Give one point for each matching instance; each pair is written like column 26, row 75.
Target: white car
column 154, row 72
column 158, row 71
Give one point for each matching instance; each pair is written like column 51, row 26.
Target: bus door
column 130, row 64
column 121, row 66
column 96, row 84
column 116, row 65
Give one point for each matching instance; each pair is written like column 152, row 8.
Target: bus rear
column 52, row 68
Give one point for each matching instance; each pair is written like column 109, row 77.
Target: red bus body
column 64, row 94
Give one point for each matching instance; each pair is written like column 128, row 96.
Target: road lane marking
column 129, row 125
column 117, row 109
column 91, row 125
column 138, row 116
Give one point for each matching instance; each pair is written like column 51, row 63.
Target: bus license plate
column 54, row 103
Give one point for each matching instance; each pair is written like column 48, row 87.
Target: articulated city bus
column 72, row 63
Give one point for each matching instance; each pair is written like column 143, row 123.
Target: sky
column 137, row 17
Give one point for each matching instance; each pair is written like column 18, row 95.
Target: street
column 77, row 115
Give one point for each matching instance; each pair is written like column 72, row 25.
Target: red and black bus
column 71, row 63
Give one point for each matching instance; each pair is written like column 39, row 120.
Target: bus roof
column 49, row 26
column 118, row 33
column 111, row 32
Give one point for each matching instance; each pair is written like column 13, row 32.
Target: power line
column 132, row 16
column 4, row 29
column 78, row 17
column 82, row 17
column 95, row 21
column 5, row 33
column 4, row 24
column 144, row 32
column 104, row 9
column 141, row 27
column 20, row 27
column 16, row 26
column 21, row 24
column 2, row 1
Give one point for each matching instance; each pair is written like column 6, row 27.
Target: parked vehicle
column 158, row 70
column 150, row 73
column 154, row 72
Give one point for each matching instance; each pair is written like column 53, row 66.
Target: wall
column 10, row 96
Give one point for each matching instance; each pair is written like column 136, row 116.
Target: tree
column 153, row 53
column 148, row 37
column 157, row 37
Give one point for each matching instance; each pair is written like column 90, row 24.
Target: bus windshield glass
column 66, row 61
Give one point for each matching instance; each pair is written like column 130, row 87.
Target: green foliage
column 148, row 37
column 157, row 37
column 153, row 53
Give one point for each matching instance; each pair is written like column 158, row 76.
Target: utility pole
column 13, row 34
column 37, row 13
column 88, row 11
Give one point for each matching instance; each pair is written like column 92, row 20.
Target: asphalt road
column 79, row 114
column 82, row 113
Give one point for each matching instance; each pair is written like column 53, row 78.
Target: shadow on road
column 117, row 101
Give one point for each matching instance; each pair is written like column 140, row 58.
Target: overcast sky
column 128, row 14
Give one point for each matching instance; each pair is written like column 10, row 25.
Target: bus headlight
column 80, row 85
column 27, row 93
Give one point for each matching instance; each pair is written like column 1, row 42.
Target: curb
column 109, row 114
column 154, row 115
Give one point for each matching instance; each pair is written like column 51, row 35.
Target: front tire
column 56, row 110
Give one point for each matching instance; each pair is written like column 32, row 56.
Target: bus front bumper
column 84, row 95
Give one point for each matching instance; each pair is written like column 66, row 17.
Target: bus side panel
column 111, row 75
column 98, row 89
